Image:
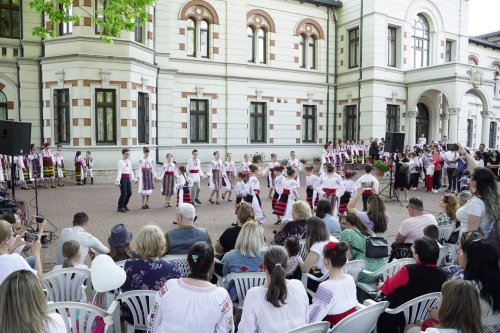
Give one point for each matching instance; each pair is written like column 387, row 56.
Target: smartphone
column 30, row 237
column 452, row 147
column 39, row 219
column 367, row 184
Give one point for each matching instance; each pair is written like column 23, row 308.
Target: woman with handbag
column 356, row 233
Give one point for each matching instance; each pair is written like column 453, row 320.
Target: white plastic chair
column 303, row 252
column 363, row 320
column 78, row 317
column 417, row 310
column 139, row 303
column 220, row 278
column 445, row 231
column 385, row 271
column 320, row 327
column 181, row 261
column 443, row 252
column 306, row 277
column 243, row 282
column 66, row 284
column 121, row 263
column 354, row 267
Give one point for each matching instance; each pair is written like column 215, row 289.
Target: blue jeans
column 125, row 192
column 31, row 261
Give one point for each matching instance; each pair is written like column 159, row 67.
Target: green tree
column 111, row 16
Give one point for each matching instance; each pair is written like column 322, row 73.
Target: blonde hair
column 245, row 212
column 302, row 210
column 23, row 306
column 150, row 242
column 250, row 241
column 70, row 250
column 5, row 230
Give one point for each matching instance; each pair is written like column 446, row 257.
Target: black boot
column 85, row 181
column 91, row 180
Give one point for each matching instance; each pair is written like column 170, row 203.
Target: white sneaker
column 435, row 191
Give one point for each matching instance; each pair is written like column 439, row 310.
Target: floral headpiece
column 331, row 246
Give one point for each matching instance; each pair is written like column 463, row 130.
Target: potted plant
column 258, row 158
column 380, row 168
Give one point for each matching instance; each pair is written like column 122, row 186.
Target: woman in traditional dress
column 79, row 168
column 146, row 173
column 183, row 184
column 59, row 162
column 270, row 173
column 48, row 161
column 35, row 166
column 230, row 168
column 216, row 173
column 332, row 186
column 253, row 194
column 283, row 206
column 167, row 176
column 22, row 171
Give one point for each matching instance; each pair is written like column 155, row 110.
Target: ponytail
column 70, row 250
column 67, row 263
column 275, row 261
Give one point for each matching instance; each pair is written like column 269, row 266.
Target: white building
column 252, row 76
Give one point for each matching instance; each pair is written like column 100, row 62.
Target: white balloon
column 106, row 274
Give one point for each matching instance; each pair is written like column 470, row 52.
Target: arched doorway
column 422, row 121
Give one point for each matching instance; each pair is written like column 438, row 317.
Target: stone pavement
column 99, row 202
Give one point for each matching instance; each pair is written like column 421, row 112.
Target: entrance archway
column 422, row 121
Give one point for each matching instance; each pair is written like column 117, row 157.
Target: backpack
column 494, row 237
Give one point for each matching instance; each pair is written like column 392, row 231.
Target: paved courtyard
column 99, row 202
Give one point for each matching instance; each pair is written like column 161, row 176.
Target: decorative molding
column 60, row 78
column 105, row 78
column 195, row 9
column 475, row 77
column 412, row 113
column 486, row 114
column 254, row 19
column 199, row 91
column 144, row 82
column 310, row 98
column 258, row 94
column 454, row 111
column 309, row 27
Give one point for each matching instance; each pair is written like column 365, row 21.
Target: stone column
column 412, row 127
column 485, row 133
column 444, row 125
column 453, row 127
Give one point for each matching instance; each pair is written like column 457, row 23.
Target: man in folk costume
column 146, row 174
column 89, row 166
column 216, row 172
column 35, row 165
column 79, row 168
column 124, row 179
column 22, row 171
column 194, row 169
column 48, row 161
column 230, row 168
column 59, row 162
column 167, row 176
column 331, row 186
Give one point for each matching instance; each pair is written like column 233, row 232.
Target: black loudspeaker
column 394, row 142
column 15, row 138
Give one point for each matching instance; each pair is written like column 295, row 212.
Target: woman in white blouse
column 279, row 305
column 193, row 304
column 316, row 239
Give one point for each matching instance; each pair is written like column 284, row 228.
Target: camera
column 39, row 219
column 452, row 147
column 30, row 237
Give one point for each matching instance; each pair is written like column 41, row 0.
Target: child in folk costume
column 245, row 167
column 361, row 152
column 35, row 165
column 59, row 162
column 168, row 176
column 354, row 152
column 278, row 188
column 193, row 168
column 124, row 178
column 183, row 184
column 216, row 172
column 270, row 173
column 48, row 160
column 343, row 156
column 253, row 194
column 79, row 168
column 240, row 190
column 312, row 182
column 350, row 191
column 22, row 170
column 325, row 157
column 146, row 174
column 331, row 186
column 230, row 168
column 296, row 165
column 288, row 196
column 89, row 165
column 369, row 183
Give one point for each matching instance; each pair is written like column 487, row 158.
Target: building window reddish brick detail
column 122, row 84
column 124, row 122
column 87, row 3
column 150, row 18
column 296, row 60
column 405, row 34
column 199, row 14
column 271, row 140
column 321, row 114
column 341, row 62
column 47, row 122
column 87, row 83
column 182, row 46
column 87, row 21
column 124, row 142
column 134, row 122
column 136, row 86
column 74, row 83
column 2, row 86
column 321, row 140
column 150, row 35
column 310, row 27
column 298, row 114
column 297, row 127
column 216, row 50
column 405, row 47
column 10, row 105
column 214, row 125
column 216, row 35
column 182, row 31
column 48, row 84
column 271, row 112
column 184, row 110
column 134, row 104
column 134, row 141
column 76, row 142
column 47, row 104
column 272, row 42
column 297, row 140
column 296, row 46
column 473, row 58
column 214, row 111
column 75, row 121
column 404, row 61
column 150, row 89
column 86, row 102
column 320, row 127
column 273, row 56
column 341, row 50
column 442, row 55
column 123, row 103
column 271, row 126
column 153, row 141
column 87, row 141
column 184, row 125
column 87, row 121
column 185, row 94
column 214, row 140
column 184, row 141
column 153, row 106
column 74, row 102
column 342, row 38
column 258, row 12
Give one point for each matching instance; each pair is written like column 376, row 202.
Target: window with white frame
column 258, row 129
column 309, row 33
column 257, row 45
column 3, row 106
column 198, row 116
column 66, row 28
column 420, row 42
column 61, row 116
column 353, row 47
column 198, row 38
column 392, row 45
column 309, row 123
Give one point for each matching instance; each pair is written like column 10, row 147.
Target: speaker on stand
column 394, row 143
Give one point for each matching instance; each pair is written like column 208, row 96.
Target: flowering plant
column 378, row 164
column 258, row 157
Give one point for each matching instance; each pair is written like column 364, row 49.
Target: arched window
column 199, row 16
column 204, row 39
column 3, row 106
column 262, row 45
column 191, row 35
column 311, row 53
column 302, row 48
column 250, row 44
column 260, row 25
column 309, row 32
column 420, row 42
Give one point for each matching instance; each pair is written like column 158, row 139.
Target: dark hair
column 89, row 152
column 289, row 171
column 376, row 213
column 329, row 167
column 59, row 146
column 78, row 153
column 241, row 175
column 121, row 253
column 80, row 219
column 338, row 255
column 349, row 174
column 145, row 150
column 432, row 232
column 278, row 168
column 125, row 150
column 200, row 259
column 316, row 232
column 309, row 168
column 324, row 207
column 253, row 168
column 182, row 168
column 368, row 168
column 355, row 221
column 292, row 246
column 215, row 152
column 275, row 261
column 427, row 250
column 416, row 203
column 482, row 267
column 487, row 190
column 10, row 217
column 194, row 151
column 466, row 173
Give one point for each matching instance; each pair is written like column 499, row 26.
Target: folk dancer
column 89, row 165
column 79, row 168
column 35, row 166
column 124, row 179
column 183, row 184
column 59, row 163
column 253, row 194
column 296, row 165
column 230, row 168
column 240, row 191
column 325, row 157
column 369, row 183
column 22, row 171
column 331, row 186
column 361, row 152
column 269, row 171
column 278, row 189
column 168, row 176
column 216, row 173
column 344, row 157
column 146, row 174
column 48, row 160
column 194, row 169
column 350, row 191
column 283, row 207
column 245, row 167
column 312, row 182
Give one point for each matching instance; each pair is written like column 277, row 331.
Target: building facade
column 247, row 76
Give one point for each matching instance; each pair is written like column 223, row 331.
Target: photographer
column 451, row 157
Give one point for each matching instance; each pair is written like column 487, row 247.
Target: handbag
column 376, row 247
column 494, row 237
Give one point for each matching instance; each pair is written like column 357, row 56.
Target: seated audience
column 11, row 262
column 412, row 228
column 279, row 305
column 355, row 234
column 180, row 239
column 411, row 281
column 324, row 211
column 301, row 211
column 448, row 205
column 193, row 304
column 23, row 306
column 88, row 243
column 71, row 253
column 119, row 243
column 227, row 240
column 317, row 237
column 463, row 197
column 335, row 298
column 375, row 217
column 292, row 247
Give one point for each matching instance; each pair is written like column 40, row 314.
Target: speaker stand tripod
column 393, row 194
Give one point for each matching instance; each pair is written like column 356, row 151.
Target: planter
column 378, row 172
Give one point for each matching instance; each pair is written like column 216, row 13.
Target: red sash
column 329, row 191
column 125, row 175
column 368, row 192
column 194, row 171
column 169, row 173
column 334, row 319
column 285, row 191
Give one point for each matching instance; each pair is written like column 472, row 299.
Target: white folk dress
column 146, row 173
